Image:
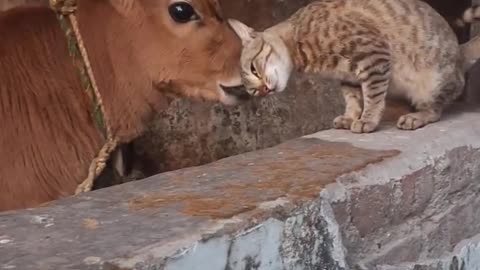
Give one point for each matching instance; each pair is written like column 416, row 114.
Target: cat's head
column 265, row 61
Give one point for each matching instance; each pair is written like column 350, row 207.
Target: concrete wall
column 390, row 200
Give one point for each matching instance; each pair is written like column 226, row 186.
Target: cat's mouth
column 238, row 91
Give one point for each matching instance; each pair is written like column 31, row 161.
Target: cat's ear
column 243, row 31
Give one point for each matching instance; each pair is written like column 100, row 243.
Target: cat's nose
column 270, row 88
column 264, row 91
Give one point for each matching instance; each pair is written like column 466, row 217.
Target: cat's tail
column 470, row 15
column 471, row 52
column 471, row 49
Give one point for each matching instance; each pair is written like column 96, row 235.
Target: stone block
column 371, row 208
column 277, row 208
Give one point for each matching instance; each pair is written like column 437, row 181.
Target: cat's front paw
column 342, row 122
column 411, row 121
column 362, row 126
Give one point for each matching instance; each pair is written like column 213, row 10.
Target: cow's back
column 48, row 138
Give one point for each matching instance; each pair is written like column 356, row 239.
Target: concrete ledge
column 332, row 200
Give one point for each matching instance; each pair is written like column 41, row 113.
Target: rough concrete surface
column 191, row 133
column 332, row 200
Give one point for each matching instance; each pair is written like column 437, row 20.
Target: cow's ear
column 245, row 33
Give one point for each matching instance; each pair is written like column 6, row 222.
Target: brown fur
column 48, row 137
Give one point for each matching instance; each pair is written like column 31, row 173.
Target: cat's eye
column 182, row 12
column 254, row 70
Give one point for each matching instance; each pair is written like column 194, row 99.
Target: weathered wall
column 334, row 200
column 192, row 133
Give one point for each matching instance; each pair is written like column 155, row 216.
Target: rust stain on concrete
column 298, row 169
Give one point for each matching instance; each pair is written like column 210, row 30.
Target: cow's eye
column 182, row 12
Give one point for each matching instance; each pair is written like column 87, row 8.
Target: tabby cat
column 372, row 46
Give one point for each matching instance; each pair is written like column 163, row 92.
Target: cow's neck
column 124, row 84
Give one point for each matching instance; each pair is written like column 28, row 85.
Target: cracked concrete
column 332, row 200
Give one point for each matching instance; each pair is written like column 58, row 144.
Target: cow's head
column 190, row 48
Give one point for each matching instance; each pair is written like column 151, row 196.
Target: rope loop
column 65, row 10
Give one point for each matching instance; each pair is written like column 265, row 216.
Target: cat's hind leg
column 426, row 113
column 352, row 94
column 430, row 111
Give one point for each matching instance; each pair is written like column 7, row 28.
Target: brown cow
column 142, row 51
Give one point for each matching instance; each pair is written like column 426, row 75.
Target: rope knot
column 63, row 7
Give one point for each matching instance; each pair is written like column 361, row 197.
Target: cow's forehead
column 209, row 8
